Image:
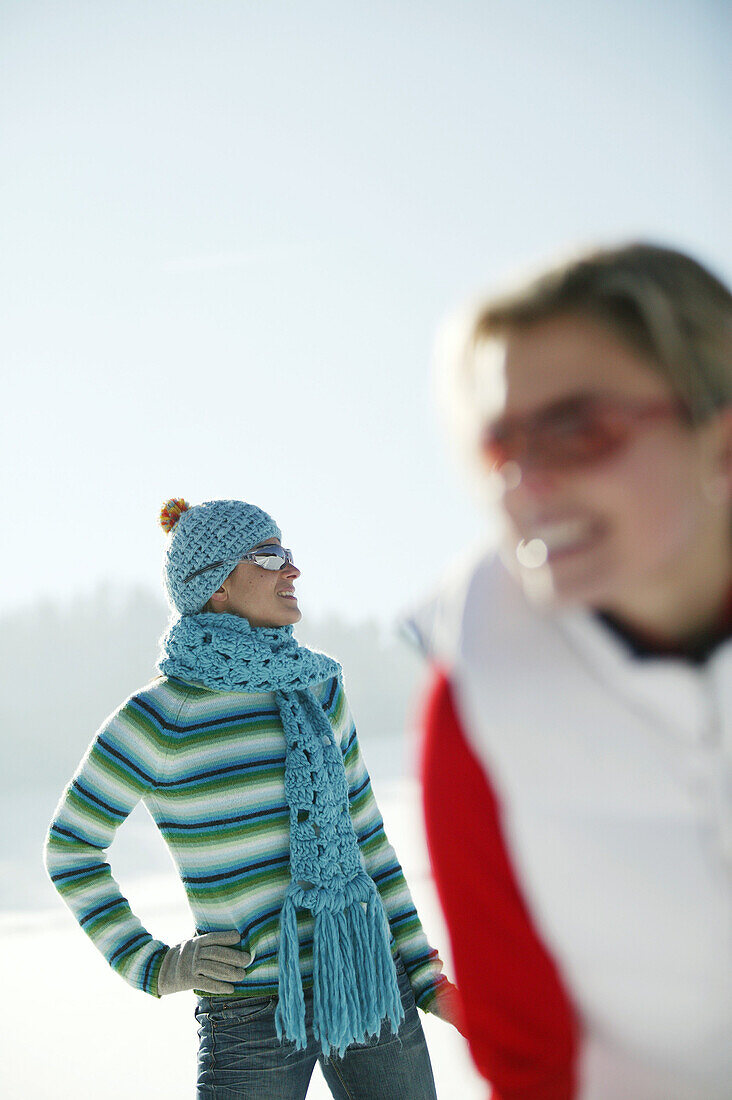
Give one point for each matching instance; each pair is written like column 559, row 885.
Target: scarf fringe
column 355, row 986
column 290, row 1012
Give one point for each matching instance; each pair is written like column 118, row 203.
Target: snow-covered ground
column 75, row 1031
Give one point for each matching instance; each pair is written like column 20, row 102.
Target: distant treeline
column 64, row 668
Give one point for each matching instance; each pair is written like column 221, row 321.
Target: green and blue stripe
column 210, row 768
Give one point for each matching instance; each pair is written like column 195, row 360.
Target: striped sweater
column 210, row 766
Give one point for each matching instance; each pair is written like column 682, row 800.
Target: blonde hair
column 663, row 303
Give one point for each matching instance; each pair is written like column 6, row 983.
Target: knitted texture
column 171, row 512
column 210, row 768
column 354, row 979
column 354, row 983
column 226, row 653
column 218, row 530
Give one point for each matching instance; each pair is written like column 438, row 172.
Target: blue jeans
column 240, row 1055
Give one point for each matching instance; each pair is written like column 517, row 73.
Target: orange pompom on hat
column 171, row 512
column 205, row 542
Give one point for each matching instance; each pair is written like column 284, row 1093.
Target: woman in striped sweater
column 308, row 946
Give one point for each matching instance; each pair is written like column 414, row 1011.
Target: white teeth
column 531, row 554
column 560, row 536
column 552, row 538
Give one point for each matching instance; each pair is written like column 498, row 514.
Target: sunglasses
column 572, row 433
column 266, row 557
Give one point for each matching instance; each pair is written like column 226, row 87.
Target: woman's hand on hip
column 207, row 962
column 447, row 1006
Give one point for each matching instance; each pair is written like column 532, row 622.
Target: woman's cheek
column 655, row 511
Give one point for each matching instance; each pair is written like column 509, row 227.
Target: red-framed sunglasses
column 571, row 433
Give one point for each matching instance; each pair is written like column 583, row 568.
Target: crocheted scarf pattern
column 355, row 984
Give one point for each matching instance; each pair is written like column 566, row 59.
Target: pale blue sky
column 231, row 229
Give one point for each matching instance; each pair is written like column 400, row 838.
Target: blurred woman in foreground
column 578, row 744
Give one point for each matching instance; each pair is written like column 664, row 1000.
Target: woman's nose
column 529, row 479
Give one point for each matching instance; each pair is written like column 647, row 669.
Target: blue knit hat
column 198, row 535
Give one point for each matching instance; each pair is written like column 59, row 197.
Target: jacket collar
column 478, row 613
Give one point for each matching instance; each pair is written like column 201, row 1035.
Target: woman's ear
column 219, row 599
column 718, row 482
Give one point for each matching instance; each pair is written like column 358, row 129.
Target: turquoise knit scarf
column 354, row 979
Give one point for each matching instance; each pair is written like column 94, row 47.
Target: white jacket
column 615, row 778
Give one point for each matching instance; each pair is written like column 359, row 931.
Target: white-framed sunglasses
column 266, row 557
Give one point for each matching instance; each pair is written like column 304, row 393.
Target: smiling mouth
column 561, row 539
column 288, row 595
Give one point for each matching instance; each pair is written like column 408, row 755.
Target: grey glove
column 205, row 963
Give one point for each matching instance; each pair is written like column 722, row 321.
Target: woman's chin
column 284, row 617
column 562, row 589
